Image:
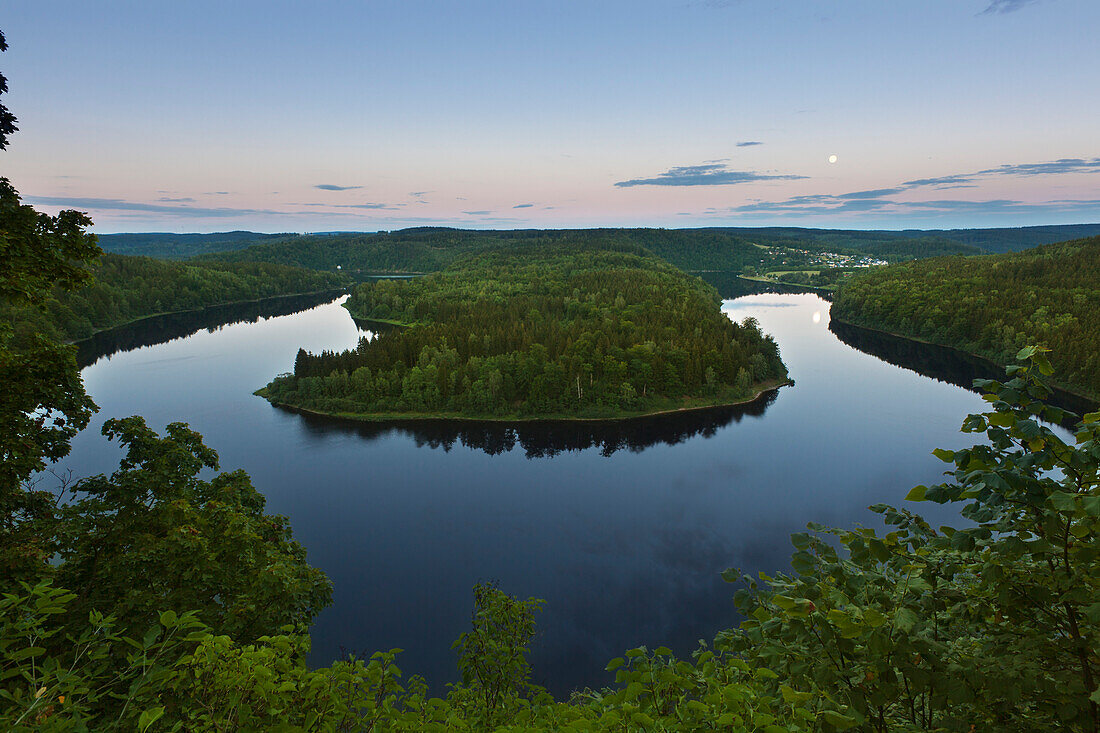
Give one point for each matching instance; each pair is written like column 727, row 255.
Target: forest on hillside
column 430, row 249
column 128, row 288
column 895, row 246
column 167, row 246
column 992, row 306
column 578, row 329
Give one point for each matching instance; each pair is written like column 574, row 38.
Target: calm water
column 623, row 529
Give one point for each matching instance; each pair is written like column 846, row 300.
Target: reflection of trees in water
column 161, row 329
column 545, row 439
column 731, row 285
column 937, row 362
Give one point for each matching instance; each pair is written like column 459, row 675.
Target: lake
column 622, row 528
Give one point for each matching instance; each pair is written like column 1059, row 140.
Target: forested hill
column 430, row 249
column 992, row 306
column 166, row 246
column 1015, row 239
column 918, row 243
column 128, row 288
column 582, row 329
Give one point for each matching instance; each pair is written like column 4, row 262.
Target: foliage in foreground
column 989, row 627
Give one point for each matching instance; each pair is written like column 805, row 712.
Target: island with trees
column 585, row 329
column 992, row 305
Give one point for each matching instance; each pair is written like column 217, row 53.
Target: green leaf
column 148, row 717
column 731, row 575
column 916, row 493
column 1063, row 501
column 944, row 455
column 838, row 721
column 905, row 619
column 615, row 664
column 168, row 618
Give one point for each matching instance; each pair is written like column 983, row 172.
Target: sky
column 367, row 115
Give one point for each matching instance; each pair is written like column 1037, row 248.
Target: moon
column 833, row 158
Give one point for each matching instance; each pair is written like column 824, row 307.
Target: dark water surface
column 622, row 528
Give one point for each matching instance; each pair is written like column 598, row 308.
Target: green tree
column 992, row 626
column 42, row 403
column 155, row 536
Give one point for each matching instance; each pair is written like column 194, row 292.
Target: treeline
column 577, row 329
column 165, row 246
column 428, row 249
column 431, row 249
column 992, row 306
column 128, row 288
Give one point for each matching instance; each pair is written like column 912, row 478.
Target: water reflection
column 172, row 326
column 938, row 362
column 622, row 527
column 545, row 439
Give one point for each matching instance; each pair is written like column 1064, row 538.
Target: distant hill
column 886, row 241
column 1017, row 239
column 165, row 246
column 429, row 249
column 992, row 306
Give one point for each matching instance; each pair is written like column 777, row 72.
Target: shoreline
column 1056, row 386
column 135, row 321
column 763, row 389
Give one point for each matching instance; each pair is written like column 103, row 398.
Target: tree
column 155, row 536
column 993, row 626
column 43, row 403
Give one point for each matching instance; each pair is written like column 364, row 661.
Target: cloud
column 941, row 181
column 876, row 193
column 823, row 204
column 1062, row 165
column 477, row 213
column 999, row 7
column 748, row 143
column 334, row 187
column 1051, row 167
column 711, row 174
column 523, row 206
column 185, row 199
column 97, row 204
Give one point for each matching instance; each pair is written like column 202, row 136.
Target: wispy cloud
column 708, row 174
column 1061, row 166
column 477, row 213
column 830, row 205
column 98, row 204
column 997, row 7
column 523, row 206
column 334, row 187
column 748, row 143
column 185, row 199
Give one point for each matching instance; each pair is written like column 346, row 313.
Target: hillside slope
column 992, row 305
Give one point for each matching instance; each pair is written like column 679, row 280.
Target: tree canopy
column 590, row 329
column 992, row 306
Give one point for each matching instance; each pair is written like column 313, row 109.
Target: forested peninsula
column 992, row 306
column 129, row 288
column 571, row 330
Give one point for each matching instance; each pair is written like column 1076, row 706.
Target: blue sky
column 381, row 114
